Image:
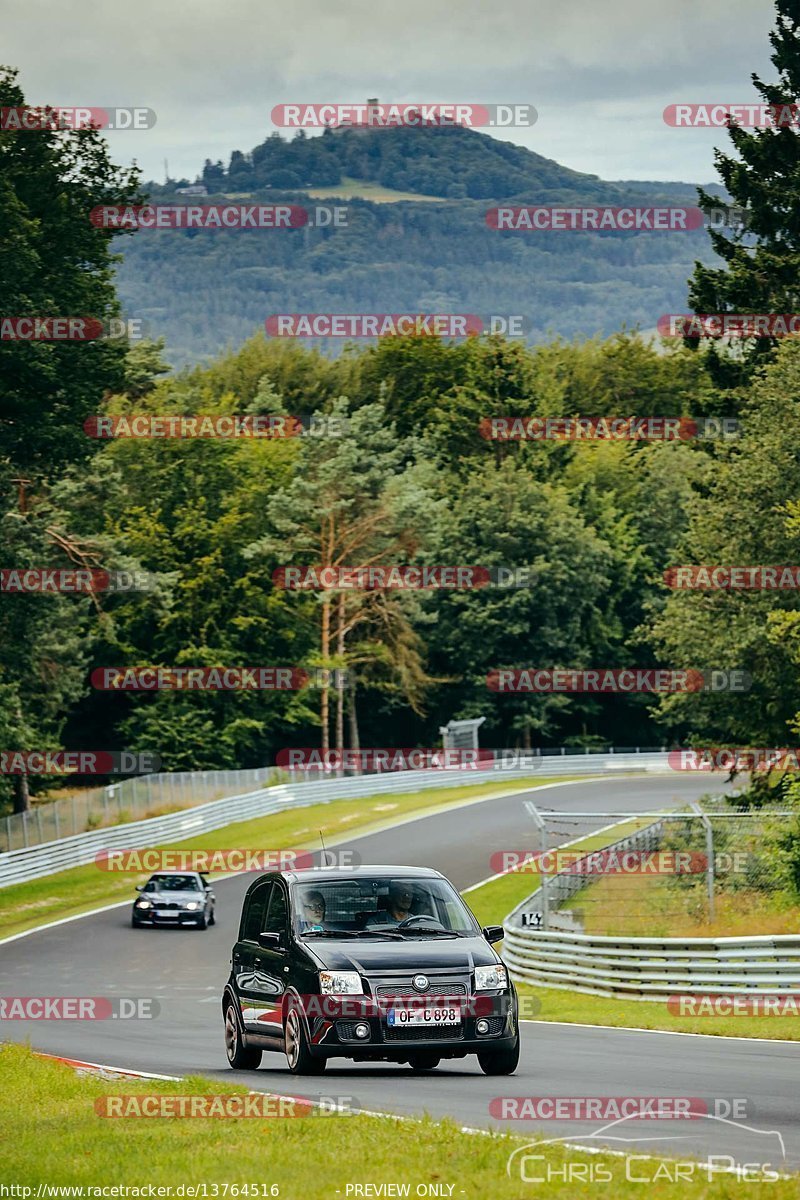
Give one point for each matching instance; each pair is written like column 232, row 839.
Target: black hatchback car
column 378, row 963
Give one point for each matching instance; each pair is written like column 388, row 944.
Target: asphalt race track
column 100, row 955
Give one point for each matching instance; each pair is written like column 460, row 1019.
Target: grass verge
column 494, row 900
column 366, row 189
column 80, row 889
column 61, row 1141
column 661, row 906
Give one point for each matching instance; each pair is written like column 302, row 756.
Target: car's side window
column 256, row 912
column 278, row 912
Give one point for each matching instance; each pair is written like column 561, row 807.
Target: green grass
column 365, row 189
column 493, row 901
column 654, row 906
column 557, row 1004
column 60, row 1140
column 80, row 889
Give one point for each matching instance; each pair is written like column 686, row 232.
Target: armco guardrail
column 127, row 800
column 17, row 866
column 640, row 968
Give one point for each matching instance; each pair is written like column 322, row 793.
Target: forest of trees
column 411, row 480
column 207, row 292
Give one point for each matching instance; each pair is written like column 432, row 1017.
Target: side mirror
column 493, row 933
column 271, row 941
column 140, row 887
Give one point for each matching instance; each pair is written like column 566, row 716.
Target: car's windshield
column 173, row 883
column 381, row 906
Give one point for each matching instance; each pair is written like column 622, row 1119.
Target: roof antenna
column 324, row 859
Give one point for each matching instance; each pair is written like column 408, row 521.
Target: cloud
column 599, row 75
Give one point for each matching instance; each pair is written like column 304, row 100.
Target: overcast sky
column 599, row 72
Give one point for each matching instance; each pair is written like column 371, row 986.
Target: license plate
column 168, row 915
column 423, row 1016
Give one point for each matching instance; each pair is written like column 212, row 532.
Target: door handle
column 257, row 962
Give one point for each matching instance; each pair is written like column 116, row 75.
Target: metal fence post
column 539, row 819
column 709, row 828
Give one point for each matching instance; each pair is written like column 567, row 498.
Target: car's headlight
column 340, row 983
column 143, row 904
column 192, row 904
column 490, row 977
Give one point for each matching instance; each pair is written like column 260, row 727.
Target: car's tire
column 298, row 1056
column 424, row 1061
column 501, row 1061
column 201, row 921
column 212, row 917
column 134, row 923
column 240, row 1057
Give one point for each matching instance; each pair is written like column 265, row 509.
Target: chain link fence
column 663, row 873
column 129, row 800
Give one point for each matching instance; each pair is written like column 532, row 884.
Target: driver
column 401, row 898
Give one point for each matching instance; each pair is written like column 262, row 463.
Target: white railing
column 640, row 968
column 18, row 866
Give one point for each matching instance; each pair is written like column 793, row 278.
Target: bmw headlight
column 490, row 977
column 143, row 904
column 192, row 905
column 340, row 983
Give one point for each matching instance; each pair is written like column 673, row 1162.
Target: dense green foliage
column 411, row 479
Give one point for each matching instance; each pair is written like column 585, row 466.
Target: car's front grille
column 436, row 987
column 423, row 1033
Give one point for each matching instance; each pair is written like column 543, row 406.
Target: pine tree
column 762, row 258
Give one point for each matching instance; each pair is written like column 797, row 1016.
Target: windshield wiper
column 417, row 930
column 384, row 933
column 337, row 933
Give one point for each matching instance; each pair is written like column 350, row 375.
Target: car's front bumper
column 172, row 917
column 332, row 1022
